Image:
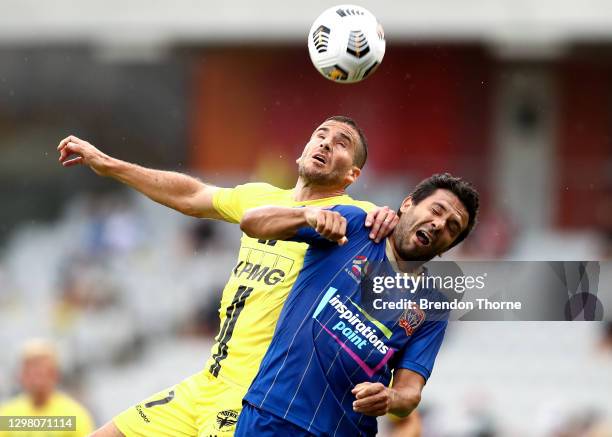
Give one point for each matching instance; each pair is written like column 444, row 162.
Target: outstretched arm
column 281, row 223
column 178, row 191
column 375, row 399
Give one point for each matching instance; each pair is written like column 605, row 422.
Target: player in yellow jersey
column 39, row 376
column 209, row 402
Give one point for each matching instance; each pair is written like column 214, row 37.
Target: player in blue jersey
column 329, row 367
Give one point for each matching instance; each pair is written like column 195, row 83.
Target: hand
column 372, row 399
column 329, row 224
column 382, row 220
column 75, row 151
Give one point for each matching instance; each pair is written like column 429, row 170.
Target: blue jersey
column 326, row 342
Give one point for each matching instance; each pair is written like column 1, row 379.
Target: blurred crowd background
column 515, row 96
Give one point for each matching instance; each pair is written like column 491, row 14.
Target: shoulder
column 259, row 187
column 65, row 403
column 231, row 203
column 362, row 204
column 13, row 405
column 354, row 215
column 350, row 211
column 355, row 220
column 69, row 403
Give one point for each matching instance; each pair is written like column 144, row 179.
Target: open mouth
column 423, row 237
column 320, row 158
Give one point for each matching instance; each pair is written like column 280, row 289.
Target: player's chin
column 415, row 252
column 314, row 174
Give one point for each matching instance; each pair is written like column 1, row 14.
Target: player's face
column 39, row 375
column 328, row 157
column 430, row 227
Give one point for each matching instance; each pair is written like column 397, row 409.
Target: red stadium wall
column 585, row 144
column 427, row 109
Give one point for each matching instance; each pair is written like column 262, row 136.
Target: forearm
column 273, row 222
column 175, row 190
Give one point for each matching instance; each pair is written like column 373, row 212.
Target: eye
column 436, row 211
column 342, row 145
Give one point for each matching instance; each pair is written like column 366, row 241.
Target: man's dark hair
column 361, row 151
column 465, row 192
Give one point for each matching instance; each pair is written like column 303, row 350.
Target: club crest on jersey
column 411, row 319
column 358, row 268
column 226, row 419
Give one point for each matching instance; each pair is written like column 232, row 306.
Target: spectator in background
column 606, row 337
column 39, row 377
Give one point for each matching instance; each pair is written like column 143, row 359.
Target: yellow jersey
column 59, row 404
column 259, row 282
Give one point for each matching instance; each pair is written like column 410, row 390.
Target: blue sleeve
column 307, row 235
column 354, row 216
column 420, row 353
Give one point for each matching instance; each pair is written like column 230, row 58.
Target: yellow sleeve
column 231, row 203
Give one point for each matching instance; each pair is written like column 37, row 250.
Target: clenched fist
column 372, row 399
column 329, row 224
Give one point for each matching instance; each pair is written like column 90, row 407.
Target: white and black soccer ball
column 346, row 43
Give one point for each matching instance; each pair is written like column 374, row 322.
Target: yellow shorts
column 200, row 406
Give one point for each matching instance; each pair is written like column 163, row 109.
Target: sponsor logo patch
column 411, row 319
column 358, row 268
column 226, row 419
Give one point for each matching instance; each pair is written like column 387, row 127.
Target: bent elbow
column 247, row 224
column 190, row 210
column 411, row 400
column 416, row 399
column 186, row 205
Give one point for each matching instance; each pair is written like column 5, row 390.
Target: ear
column 406, row 203
column 352, row 175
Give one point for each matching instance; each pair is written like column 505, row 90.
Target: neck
column 406, row 266
column 39, row 399
column 304, row 191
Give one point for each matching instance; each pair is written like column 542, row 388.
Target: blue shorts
column 253, row 421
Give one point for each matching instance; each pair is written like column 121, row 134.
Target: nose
column 325, row 145
column 437, row 224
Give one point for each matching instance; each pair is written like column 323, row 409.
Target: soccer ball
column 346, row 43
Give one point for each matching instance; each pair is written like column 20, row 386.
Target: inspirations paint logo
column 355, row 330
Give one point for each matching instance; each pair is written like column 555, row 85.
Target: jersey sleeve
column 420, row 353
column 232, row 203
column 355, row 218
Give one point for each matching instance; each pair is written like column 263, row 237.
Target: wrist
column 109, row 166
column 308, row 216
column 396, row 406
column 403, row 402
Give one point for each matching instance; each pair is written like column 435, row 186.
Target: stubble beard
column 405, row 249
column 314, row 177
